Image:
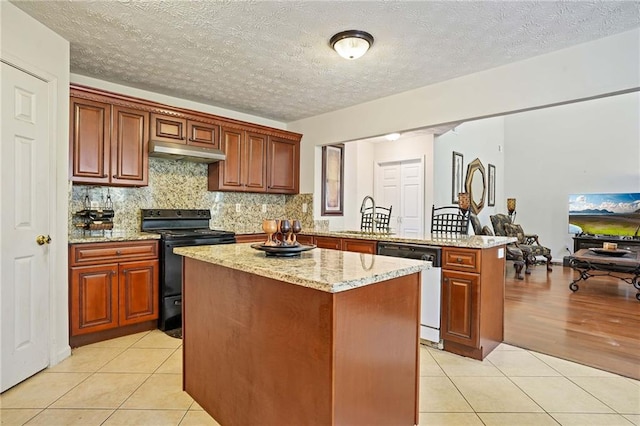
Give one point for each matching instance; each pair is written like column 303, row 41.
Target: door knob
column 42, row 239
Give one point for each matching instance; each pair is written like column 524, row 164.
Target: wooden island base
column 258, row 351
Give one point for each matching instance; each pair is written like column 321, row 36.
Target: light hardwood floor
column 599, row 325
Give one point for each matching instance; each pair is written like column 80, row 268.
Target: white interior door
column 412, row 195
column 24, row 266
column 401, row 184
column 387, row 192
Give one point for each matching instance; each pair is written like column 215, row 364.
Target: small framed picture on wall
column 457, row 180
column 332, row 180
column 491, row 199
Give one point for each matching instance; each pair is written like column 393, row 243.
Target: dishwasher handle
column 411, row 251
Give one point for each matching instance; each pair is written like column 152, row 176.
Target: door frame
column 58, row 224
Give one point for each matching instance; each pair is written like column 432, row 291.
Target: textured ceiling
column 272, row 59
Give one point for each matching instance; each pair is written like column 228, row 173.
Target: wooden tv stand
column 596, row 241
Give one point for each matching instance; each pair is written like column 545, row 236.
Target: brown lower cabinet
column 307, row 240
column 346, row 244
column 251, row 238
column 472, row 300
column 113, row 289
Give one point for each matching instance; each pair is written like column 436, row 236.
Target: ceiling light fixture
column 351, row 44
column 393, row 136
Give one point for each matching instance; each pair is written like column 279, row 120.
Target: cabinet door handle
column 446, row 280
column 118, row 252
column 105, row 175
column 459, row 260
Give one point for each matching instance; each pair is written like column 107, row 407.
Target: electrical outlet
column 264, row 208
column 304, row 207
column 238, row 208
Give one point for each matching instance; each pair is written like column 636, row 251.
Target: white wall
column 591, row 146
column 483, row 139
column 31, row 46
column 358, row 180
column 360, row 159
column 600, row 67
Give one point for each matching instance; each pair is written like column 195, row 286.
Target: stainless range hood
column 185, row 152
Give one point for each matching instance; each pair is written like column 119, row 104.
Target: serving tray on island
column 283, row 251
column 605, row 252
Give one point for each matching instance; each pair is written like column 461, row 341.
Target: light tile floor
column 137, row 380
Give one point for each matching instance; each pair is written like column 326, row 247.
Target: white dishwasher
column 430, row 288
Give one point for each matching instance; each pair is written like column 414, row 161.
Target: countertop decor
column 283, row 251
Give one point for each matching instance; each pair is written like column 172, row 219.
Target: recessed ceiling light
column 393, row 136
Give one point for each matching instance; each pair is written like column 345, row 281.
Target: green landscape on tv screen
column 605, row 214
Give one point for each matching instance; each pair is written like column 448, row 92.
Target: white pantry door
column 24, row 270
column 401, row 185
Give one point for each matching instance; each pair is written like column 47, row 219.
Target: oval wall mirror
column 475, row 185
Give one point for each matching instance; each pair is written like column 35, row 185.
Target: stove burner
column 192, row 233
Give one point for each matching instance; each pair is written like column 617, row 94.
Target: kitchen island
column 327, row 338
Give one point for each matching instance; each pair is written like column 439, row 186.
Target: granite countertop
column 326, row 270
column 77, row 237
column 465, row 241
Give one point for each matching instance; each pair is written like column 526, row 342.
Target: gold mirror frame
column 477, row 203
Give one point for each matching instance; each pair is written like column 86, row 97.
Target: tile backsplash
column 183, row 185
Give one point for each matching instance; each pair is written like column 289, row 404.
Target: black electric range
column 178, row 228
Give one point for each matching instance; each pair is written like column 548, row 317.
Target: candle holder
column 464, row 202
column 511, row 209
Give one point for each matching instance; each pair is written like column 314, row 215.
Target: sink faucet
column 373, row 215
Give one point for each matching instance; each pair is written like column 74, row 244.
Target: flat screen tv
column 605, row 214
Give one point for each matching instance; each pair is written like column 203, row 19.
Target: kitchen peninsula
column 470, row 311
column 326, row 338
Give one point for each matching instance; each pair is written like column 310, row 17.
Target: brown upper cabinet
column 284, row 166
column 168, row 128
column 244, row 168
column 111, row 133
column 256, row 162
column 109, row 143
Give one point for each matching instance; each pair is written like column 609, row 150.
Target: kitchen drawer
column 329, row 243
column 467, row 260
column 305, row 239
column 251, row 238
column 359, row 246
column 96, row 253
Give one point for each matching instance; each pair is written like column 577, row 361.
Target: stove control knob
column 178, row 213
column 157, row 212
